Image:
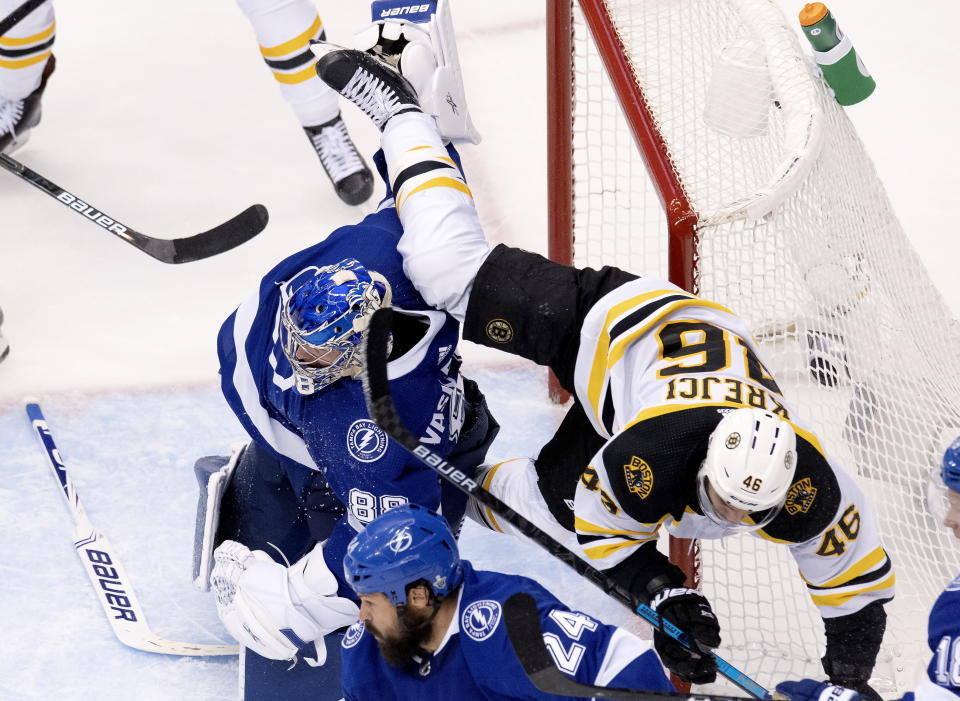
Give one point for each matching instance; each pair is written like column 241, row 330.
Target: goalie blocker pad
column 213, row 477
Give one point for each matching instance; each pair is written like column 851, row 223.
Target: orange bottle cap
column 812, row 13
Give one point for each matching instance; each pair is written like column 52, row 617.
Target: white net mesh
column 797, row 236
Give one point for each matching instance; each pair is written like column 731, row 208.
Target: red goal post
column 693, row 140
column 681, row 220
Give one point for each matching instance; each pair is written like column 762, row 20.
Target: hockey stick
column 380, row 404
column 102, row 566
column 526, row 637
column 230, row 234
column 8, row 22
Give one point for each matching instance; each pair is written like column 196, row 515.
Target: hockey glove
column 275, row 610
column 812, row 690
column 690, row 611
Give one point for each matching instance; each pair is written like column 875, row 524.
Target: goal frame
column 680, row 216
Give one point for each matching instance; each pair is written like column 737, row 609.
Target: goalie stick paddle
column 100, row 562
column 526, row 637
column 376, row 387
column 8, row 22
column 187, row 249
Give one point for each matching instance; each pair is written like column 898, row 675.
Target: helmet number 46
column 753, row 483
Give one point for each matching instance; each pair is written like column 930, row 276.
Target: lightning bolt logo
column 366, row 441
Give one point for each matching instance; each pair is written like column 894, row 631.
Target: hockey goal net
column 693, row 140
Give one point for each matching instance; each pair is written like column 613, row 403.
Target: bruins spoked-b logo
column 499, row 331
column 800, row 497
column 639, row 477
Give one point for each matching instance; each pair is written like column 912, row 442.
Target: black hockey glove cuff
column 690, row 611
column 853, row 642
column 646, row 572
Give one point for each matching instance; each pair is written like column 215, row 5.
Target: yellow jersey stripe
column 865, row 563
column 598, row 368
column 840, row 598
column 598, row 552
column 581, row 526
column 24, row 62
column 12, row 42
column 300, row 76
column 620, row 345
column 435, row 182
column 490, row 515
column 298, row 42
column 418, row 148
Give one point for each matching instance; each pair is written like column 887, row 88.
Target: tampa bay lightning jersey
column 330, row 431
column 943, row 635
column 475, row 661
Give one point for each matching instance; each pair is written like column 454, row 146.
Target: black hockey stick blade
column 8, row 22
column 526, row 637
column 187, row 249
column 219, row 239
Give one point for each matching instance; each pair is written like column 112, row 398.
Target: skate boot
column 375, row 87
column 350, row 176
column 18, row 117
column 4, row 346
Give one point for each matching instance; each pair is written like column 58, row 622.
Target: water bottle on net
column 842, row 68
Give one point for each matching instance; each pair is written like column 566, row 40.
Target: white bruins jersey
column 657, row 368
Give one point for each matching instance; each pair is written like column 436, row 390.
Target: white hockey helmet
column 750, row 463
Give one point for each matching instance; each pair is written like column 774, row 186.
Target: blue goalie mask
column 323, row 316
column 400, row 547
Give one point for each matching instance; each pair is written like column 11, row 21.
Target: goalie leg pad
column 213, row 476
column 423, row 46
column 262, row 679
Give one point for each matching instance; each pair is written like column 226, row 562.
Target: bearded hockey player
column 675, row 418
column 943, row 636
column 431, row 626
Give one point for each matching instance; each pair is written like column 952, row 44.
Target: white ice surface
column 164, row 115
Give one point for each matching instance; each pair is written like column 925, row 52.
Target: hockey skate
column 420, row 43
column 18, row 117
column 350, row 176
column 375, row 87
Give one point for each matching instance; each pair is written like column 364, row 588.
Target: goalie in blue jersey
column 433, row 627
column 943, row 632
column 317, row 470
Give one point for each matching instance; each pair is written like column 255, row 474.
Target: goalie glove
column 423, row 47
column 275, row 610
column 690, row 611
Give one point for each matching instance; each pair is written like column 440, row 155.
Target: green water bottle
column 842, row 68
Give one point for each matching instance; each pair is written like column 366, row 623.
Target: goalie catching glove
column 690, row 611
column 275, row 610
